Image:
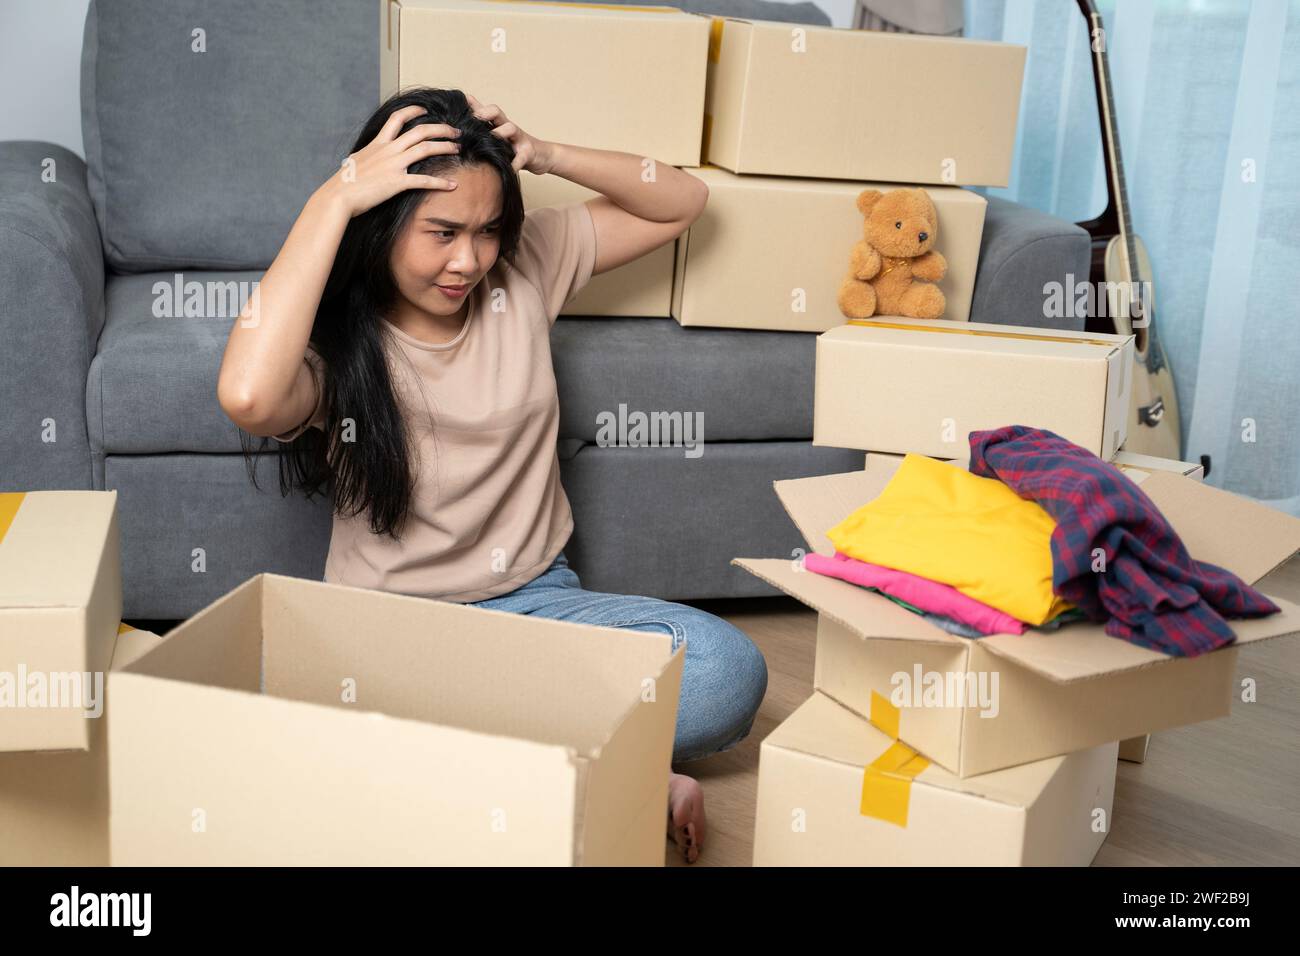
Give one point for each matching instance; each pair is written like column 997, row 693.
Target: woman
column 399, row 346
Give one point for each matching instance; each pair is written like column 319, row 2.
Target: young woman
column 399, row 347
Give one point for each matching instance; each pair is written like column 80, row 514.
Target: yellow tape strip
column 591, row 6
column 123, row 627
column 887, row 783
column 872, row 323
column 9, row 502
column 715, row 39
column 884, row 715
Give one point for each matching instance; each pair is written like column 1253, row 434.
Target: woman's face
column 451, row 239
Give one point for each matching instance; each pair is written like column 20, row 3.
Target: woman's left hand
column 531, row 154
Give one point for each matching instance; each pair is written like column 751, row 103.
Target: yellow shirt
column 940, row 522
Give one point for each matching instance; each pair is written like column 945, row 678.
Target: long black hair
column 373, row 473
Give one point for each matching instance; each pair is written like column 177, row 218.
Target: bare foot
column 686, row 814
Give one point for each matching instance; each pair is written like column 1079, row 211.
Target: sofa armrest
column 1022, row 252
column 51, row 314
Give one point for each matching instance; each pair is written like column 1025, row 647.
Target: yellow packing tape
column 9, row 503
column 887, row 783
column 123, row 627
column 715, row 39
column 872, row 323
column 884, row 715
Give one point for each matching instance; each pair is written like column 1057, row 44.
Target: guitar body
column 1153, row 424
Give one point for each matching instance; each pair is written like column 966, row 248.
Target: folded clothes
column 937, row 521
column 938, row 620
column 1151, row 592
column 1065, row 617
column 928, row 596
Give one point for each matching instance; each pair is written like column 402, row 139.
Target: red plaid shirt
column 1152, row 592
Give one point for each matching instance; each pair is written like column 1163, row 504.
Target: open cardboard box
column 731, row 273
column 54, row 804
column 1055, row 692
column 295, row 722
column 897, row 384
column 835, row 791
column 60, row 605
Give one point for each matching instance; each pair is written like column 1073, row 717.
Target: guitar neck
column 1114, row 219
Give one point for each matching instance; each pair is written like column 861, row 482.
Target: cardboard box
column 1134, row 465
column 607, row 77
column 54, row 804
column 295, row 722
column 1134, row 750
column 771, row 252
column 793, row 100
column 1010, row 699
column 60, row 604
column 902, row 385
column 642, row 287
column 835, row 791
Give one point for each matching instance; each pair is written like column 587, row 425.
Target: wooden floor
column 1225, row 792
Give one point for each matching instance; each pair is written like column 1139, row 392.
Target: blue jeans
column 724, row 676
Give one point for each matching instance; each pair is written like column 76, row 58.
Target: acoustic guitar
column 1121, row 267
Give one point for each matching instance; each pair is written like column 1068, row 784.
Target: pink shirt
column 488, row 513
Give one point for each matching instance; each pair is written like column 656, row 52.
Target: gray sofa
column 197, row 163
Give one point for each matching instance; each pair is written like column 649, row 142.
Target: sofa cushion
column 152, row 386
column 202, row 147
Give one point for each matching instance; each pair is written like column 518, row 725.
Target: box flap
column 51, row 546
column 1081, row 651
column 864, row 612
column 1224, row 528
column 817, row 504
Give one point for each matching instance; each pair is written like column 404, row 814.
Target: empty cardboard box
column 771, row 252
column 974, row 706
column 642, row 287
column 54, row 804
column 607, row 77
column 60, row 605
column 835, row 791
column 295, row 722
column 901, row 385
column 792, row 100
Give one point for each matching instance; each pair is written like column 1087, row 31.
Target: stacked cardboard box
column 784, row 122
column 799, row 120
column 624, row 78
column 1023, row 727
column 60, row 636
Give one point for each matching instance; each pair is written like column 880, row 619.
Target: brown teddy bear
column 896, row 250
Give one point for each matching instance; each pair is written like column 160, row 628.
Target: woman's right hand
column 378, row 171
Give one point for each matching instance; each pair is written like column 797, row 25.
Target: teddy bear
column 897, row 249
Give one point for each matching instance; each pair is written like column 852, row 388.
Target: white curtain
column 1207, row 94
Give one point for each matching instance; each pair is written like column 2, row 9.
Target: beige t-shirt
column 488, row 513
